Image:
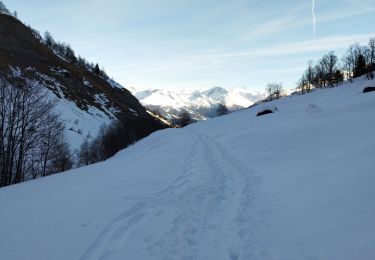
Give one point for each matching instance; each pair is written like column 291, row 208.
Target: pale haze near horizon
column 193, row 44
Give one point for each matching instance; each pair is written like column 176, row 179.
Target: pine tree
column 96, row 69
column 49, row 39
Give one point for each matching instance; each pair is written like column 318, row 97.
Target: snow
column 59, row 71
column 114, row 84
column 79, row 123
column 86, row 83
column 159, row 117
column 201, row 104
column 236, row 97
column 295, row 184
column 242, row 98
column 103, row 101
column 58, row 54
column 15, row 72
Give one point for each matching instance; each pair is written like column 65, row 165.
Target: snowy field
column 293, row 185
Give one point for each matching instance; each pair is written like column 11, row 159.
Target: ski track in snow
column 296, row 184
column 110, row 240
column 211, row 204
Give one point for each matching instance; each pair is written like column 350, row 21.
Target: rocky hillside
column 86, row 98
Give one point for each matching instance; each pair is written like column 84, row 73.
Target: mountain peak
column 215, row 91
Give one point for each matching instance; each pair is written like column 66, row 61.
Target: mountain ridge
column 201, row 104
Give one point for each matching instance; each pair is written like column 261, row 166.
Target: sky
column 198, row 44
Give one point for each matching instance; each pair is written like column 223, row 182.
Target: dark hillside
column 24, row 57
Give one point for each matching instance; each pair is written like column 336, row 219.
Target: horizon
column 191, row 45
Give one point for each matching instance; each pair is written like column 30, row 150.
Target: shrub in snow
column 368, row 89
column 267, row 110
column 311, row 106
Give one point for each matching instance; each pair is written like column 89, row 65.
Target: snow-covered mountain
column 201, row 104
column 295, row 184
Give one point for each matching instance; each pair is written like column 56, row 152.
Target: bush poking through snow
column 265, row 112
column 368, row 89
column 311, row 106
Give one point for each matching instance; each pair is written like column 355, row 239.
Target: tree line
column 32, row 136
column 65, row 50
column 62, row 49
column 119, row 134
column 329, row 71
column 4, row 9
column 109, row 140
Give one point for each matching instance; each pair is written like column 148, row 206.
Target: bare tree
column 302, row 84
column 274, row 90
column 329, row 67
column 183, row 119
column 371, row 47
column 50, row 139
column 110, row 139
column 306, row 83
column 28, row 127
column 84, row 153
column 61, row 160
column 369, row 55
column 350, row 60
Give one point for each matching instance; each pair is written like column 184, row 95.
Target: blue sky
column 195, row 44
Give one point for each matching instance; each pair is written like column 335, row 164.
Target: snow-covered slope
column 201, row 104
column 296, row 184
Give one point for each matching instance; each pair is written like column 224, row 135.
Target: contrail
column 313, row 17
